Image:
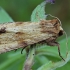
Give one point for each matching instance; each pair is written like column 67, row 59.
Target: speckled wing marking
column 20, row 34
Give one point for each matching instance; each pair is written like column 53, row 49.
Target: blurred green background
column 20, row 10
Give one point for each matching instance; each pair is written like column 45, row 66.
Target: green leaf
column 12, row 58
column 53, row 52
column 30, row 59
column 4, row 17
column 39, row 12
column 12, row 61
column 53, row 65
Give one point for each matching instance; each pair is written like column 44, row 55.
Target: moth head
column 52, row 27
column 58, row 25
column 61, row 32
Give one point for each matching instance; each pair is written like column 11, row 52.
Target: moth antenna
column 66, row 41
column 56, row 18
column 22, row 50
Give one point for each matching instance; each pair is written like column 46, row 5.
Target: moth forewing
column 21, row 34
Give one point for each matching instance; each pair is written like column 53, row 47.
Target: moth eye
column 60, row 33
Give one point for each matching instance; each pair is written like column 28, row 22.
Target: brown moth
column 21, row 34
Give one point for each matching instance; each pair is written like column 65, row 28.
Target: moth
column 21, row 34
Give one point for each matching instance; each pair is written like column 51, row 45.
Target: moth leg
column 29, row 48
column 15, row 50
column 33, row 45
column 27, row 51
column 22, row 50
column 53, row 43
